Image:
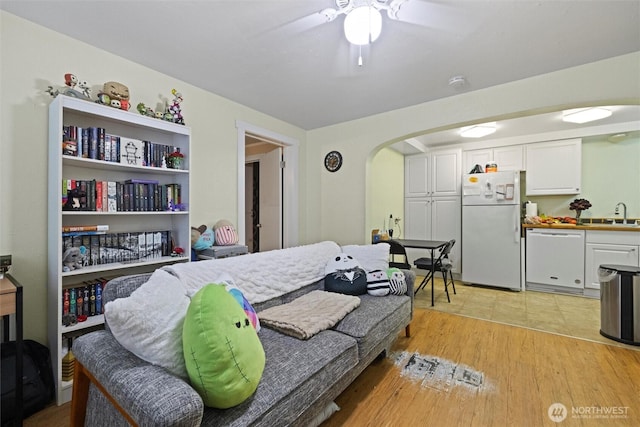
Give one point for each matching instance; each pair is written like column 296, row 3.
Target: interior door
column 270, row 220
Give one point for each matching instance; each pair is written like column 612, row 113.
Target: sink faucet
column 624, row 211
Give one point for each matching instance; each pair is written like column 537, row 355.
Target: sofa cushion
column 294, row 373
column 148, row 323
column 375, row 319
column 370, row 257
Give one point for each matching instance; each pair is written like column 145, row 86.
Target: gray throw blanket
column 309, row 314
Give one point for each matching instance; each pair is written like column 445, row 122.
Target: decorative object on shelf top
column 75, row 88
column 171, row 113
column 116, row 95
column 175, row 109
column 579, row 205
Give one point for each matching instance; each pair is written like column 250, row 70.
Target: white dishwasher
column 555, row 260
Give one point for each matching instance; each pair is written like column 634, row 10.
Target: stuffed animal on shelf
column 72, row 259
column 116, row 95
column 225, row 233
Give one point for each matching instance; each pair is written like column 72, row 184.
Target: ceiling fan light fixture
column 363, row 25
column 478, row 131
column 585, row 115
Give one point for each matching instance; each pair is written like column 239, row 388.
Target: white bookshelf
column 65, row 111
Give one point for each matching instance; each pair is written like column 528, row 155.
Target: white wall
column 333, row 206
column 609, row 82
column 386, row 174
column 610, row 174
column 33, row 58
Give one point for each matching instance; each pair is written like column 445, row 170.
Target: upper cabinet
column 554, row 167
column 507, row 158
column 435, row 174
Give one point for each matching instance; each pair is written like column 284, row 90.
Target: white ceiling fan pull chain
column 360, row 57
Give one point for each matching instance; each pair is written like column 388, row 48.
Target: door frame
column 290, row 179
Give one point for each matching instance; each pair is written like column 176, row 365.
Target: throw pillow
column 205, row 240
column 377, row 283
column 148, row 323
column 344, row 275
column 223, row 354
column 225, row 233
column 370, row 257
column 397, row 281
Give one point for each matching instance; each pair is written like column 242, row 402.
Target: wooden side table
column 11, row 303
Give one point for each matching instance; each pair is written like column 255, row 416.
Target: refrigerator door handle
column 516, row 228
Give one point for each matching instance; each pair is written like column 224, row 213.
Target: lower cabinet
column 434, row 218
column 608, row 247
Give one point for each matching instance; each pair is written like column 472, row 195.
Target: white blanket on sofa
column 263, row 275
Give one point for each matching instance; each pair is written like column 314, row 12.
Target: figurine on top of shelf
column 75, row 88
column 175, row 109
column 116, row 95
column 144, row 110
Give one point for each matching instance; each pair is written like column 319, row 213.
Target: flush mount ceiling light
column 478, row 131
column 585, row 115
column 363, row 20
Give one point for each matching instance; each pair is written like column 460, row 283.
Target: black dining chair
column 442, row 265
column 397, row 255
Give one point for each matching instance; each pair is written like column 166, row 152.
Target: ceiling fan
column 363, row 20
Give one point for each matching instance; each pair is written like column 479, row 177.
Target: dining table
column 430, row 245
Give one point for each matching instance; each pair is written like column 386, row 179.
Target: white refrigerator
column 491, row 229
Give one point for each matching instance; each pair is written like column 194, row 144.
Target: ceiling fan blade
column 441, row 15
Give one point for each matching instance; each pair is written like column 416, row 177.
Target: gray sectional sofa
column 300, row 380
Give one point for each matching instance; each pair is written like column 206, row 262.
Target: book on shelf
column 131, row 195
column 101, row 247
column 69, row 141
column 99, row 227
column 96, row 143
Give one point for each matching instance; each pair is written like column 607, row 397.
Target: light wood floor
column 525, row 370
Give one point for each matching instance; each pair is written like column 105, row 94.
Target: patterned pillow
column 225, row 233
column 397, row 281
column 377, row 283
column 345, row 276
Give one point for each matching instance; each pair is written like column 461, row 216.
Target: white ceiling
column 279, row 57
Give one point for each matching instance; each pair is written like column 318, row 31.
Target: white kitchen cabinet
column 555, row 260
column 608, row 247
column 416, row 175
column 507, row 158
column 434, row 218
column 434, row 174
column 554, row 167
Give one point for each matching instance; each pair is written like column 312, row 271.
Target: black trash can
column 620, row 303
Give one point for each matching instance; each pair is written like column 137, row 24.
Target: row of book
column 85, row 299
column 132, row 195
column 95, row 143
column 101, row 247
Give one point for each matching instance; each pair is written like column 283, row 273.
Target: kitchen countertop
column 589, row 226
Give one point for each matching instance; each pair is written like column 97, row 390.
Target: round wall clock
column 333, row 161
